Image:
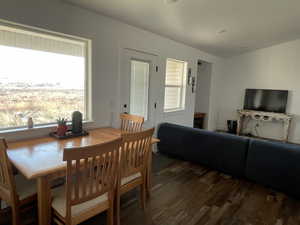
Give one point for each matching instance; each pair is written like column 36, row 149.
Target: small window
column 139, row 86
column 42, row 75
column 175, row 85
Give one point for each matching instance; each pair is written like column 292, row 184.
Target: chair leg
column 117, row 207
column 110, row 216
column 143, row 195
column 15, row 215
column 148, row 186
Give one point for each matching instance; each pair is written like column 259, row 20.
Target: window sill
column 38, row 128
column 174, row 110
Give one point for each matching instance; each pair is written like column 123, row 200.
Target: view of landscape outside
column 41, row 85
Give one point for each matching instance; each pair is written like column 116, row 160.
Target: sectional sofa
column 273, row 164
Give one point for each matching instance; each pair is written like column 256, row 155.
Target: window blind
column 174, row 85
column 41, row 42
column 139, row 88
column 174, row 72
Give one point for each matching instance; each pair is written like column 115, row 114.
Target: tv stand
column 267, row 117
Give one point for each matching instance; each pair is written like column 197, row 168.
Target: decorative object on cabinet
column 232, row 126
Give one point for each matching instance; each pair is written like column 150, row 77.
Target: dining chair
column 135, row 150
column 131, row 123
column 91, row 178
column 15, row 191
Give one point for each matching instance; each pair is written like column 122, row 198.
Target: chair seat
column 25, row 188
column 128, row 179
column 59, row 202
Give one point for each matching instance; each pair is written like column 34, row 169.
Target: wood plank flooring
column 189, row 194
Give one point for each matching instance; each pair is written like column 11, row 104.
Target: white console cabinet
column 267, row 117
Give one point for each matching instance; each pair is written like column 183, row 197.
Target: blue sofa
column 273, row 164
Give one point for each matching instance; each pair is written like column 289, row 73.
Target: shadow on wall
column 295, row 130
column 203, row 87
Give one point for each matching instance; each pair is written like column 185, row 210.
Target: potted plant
column 62, row 127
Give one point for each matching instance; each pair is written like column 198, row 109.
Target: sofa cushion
column 274, row 164
column 219, row 151
column 171, row 139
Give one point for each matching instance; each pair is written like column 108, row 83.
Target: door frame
column 115, row 122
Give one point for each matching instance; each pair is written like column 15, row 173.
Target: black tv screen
column 266, row 100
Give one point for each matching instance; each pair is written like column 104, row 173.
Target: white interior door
column 138, row 72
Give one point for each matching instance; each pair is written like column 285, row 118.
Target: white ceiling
column 220, row 27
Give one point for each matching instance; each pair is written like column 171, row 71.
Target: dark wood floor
column 187, row 194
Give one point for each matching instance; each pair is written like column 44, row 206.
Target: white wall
column 109, row 38
column 275, row 67
column 203, row 90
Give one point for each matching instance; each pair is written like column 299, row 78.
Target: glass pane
column 139, row 87
column 174, row 72
column 172, row 98
column 39, row 84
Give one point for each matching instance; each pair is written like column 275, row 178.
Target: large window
column 175, row 85
column 42, row 76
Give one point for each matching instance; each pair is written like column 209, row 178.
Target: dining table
column 41, row 159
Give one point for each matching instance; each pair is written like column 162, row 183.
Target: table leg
column 239, row 125
column 44, row 201
column 149, row 173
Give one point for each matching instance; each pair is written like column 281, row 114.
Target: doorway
column 202, row 101
column 137, row 94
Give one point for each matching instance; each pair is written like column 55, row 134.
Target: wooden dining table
column 41, row 159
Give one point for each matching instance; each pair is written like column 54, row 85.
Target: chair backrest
column 131, row 123
column 7, row 182
column 91, row 171
column 134, row 152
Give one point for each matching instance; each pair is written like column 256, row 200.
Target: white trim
column 42, row 31
column 38, row 127
column 174, row 110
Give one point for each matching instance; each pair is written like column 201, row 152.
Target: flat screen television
column 266, row 100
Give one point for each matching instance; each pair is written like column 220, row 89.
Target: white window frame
column 88, row 69
column 182, row 87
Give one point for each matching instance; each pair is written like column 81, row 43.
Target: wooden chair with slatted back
column 135, row 150
column 131, row 123
column 91, row 178
column 15, row 191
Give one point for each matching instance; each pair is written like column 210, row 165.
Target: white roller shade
column 174, row 73
column 139, row 87
column 174, row 85
column 41, row 42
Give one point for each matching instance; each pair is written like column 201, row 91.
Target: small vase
column 30, row 123
column 61, row 130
